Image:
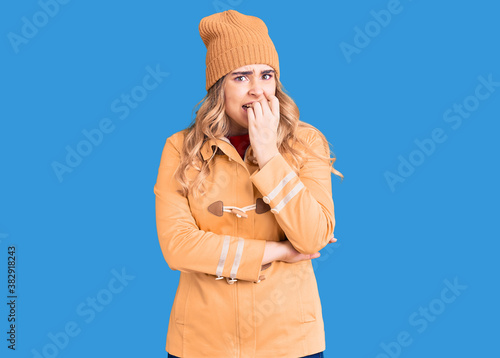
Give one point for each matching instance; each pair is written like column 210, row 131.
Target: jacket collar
column 208, row 150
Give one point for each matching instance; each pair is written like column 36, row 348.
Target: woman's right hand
column 291, row 255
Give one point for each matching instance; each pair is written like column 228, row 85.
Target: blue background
column 398, row 243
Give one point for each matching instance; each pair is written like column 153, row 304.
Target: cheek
column 228, row 101
column 230, row 105
column 231, row 97
column 271, row 88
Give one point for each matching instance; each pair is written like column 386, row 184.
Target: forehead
column 253, row 67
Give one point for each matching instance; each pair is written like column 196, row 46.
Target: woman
column 243, row 203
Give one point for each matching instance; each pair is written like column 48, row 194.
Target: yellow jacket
column 225, row 305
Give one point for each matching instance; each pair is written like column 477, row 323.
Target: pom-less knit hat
column 234, row 40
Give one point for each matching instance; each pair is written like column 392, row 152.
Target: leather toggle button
column 261, row 207
column 239, row 213
column 216, row 208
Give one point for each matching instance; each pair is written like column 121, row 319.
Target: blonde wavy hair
column 211, row 122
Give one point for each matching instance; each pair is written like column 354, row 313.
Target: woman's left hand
column 263, row 120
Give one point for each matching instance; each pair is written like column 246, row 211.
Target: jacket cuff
column 278, row 182
column 246, row 264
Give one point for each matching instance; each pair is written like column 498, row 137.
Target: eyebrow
column 246, row 73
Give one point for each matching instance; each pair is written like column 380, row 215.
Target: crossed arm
column 302, row 205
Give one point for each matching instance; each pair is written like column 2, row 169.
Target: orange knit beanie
column 234, row 40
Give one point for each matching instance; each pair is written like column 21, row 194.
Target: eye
column 269, row 76
column 239, row 78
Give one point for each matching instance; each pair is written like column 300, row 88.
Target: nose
column 256, row 89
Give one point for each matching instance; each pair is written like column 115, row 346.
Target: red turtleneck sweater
column 240, row 142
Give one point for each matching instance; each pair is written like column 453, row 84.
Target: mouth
column 246, row 106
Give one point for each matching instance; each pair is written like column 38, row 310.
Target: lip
column 246, row 108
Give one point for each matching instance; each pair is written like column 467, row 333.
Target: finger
column 251, row 122
column 257, row 108
column 266, row 109
column 274, row 104
column 251, row 115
